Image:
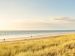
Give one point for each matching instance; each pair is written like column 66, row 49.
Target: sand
column 32, row 37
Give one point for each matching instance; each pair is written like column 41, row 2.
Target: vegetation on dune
column 63, row 45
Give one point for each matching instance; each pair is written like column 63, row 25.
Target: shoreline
column 33, row 37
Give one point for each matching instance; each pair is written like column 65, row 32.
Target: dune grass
column 63, row 45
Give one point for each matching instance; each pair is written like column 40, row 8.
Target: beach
column 15, row 38
column 46, row 46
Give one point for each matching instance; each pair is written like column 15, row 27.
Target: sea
column 31, row 33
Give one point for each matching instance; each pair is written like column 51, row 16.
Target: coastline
column 43, row 44
column 34, row 37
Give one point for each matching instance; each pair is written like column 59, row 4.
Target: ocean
column 30, row 33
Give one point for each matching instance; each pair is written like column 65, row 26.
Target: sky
column 37, row 14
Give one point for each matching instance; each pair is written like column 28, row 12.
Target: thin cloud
column 34, row 23
column 70, row 19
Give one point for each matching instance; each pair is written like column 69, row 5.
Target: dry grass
column 63, row 45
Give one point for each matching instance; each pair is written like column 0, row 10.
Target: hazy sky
column 37, row 14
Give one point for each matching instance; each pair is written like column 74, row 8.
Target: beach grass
column 62, row 45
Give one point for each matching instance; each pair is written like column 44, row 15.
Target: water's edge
column 15, row 35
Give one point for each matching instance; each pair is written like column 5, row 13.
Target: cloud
column 37, row 23
column 70, row 19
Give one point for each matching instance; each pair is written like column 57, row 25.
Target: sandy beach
column 47, row 45
column 32, row 37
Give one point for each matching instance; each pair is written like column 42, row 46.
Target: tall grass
column 63, row 45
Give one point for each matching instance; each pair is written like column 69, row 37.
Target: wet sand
column 32, row 37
